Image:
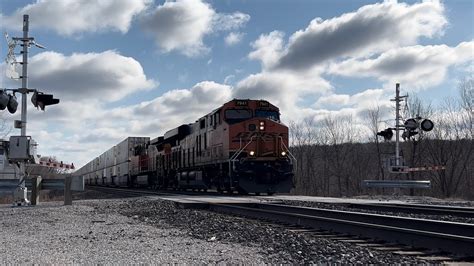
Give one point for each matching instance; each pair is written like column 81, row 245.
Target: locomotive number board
column 263, row 104
column 241, row 103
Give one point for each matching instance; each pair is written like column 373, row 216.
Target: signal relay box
column 22, row 149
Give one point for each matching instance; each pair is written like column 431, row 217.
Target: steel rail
column 387, row 228
column 126, row 191
column 458, row 211
column 444, row 227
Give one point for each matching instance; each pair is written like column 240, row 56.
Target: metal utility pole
column 24, row 73
column 397, row 124
column 398, row 127
column 22, row 149
column 20, row 193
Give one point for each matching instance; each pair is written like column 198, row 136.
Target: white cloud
column 107, row 75
column 417, row 66
column 68, row 17
column 234, row 38
column 334, row 99
column 182, row 25
column 268, row 48
column 185, row 105
column 352, row 44
column 371, row 29
column 224, row 22
column 282, row 88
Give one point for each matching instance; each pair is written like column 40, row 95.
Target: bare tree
column 466, row 89
column 303, row 139
column 452, row 146
column 373, row 123
column 340, row 133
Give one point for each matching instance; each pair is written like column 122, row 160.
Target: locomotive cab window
column 237, row 115
column 273, row 115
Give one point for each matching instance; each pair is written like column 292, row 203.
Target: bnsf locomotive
column 241, row 146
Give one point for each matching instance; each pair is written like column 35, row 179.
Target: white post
column 24, row 74
column 397, row 124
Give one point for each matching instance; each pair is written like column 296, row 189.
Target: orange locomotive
column 240, row 146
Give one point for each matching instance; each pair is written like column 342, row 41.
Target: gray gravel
column 343, row 207
column 150, row 230
column 276, row 244
column 95, row 232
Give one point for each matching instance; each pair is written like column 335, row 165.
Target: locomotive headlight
column 262, row 126
column 283, row 153
column 252, row 153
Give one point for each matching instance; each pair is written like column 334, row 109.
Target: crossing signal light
column 41, row 100
column 411, row 123
column 387, row 134
column 12, row 104
column 4, row 98
column 8, row 101
column 427, row 125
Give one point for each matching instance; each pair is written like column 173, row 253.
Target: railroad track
column 456, row 238
column 440, row 210
column 452, row 237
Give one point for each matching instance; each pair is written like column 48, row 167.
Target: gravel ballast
column 95, row 232
column 151, row 230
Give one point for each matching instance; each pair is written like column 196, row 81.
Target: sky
column 141, row 67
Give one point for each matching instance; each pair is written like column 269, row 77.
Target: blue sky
column 141, row 67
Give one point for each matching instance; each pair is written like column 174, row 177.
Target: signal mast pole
column 24, row 74
column 20, row 197
column 398, row 127
column 26, row 152
column 397, row 124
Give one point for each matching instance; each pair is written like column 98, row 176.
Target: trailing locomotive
column 241, row 146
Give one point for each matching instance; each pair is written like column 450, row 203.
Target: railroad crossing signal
column 413, row 124
column 387, row 134
column 427, row 125
column 8, row 101
column 408, row 133
column 41, row 100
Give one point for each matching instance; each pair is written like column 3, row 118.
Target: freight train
column 240, row 146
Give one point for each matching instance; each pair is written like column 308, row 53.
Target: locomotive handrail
column 241, row 149
column 292, row 157
column 232, row 159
